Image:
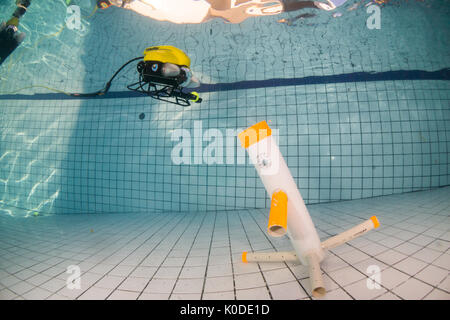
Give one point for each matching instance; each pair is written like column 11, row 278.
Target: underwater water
column 359, row 114
column 343, row 137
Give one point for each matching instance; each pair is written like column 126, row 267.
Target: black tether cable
column 108, row 84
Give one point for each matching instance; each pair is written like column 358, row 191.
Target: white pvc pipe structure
column 275, row 175
column 279, row 183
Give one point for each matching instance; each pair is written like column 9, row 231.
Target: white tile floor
column 198, row 255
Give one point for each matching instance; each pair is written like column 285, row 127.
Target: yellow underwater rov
column 163, row 73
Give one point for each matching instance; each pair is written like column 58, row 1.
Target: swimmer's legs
column 294, row 5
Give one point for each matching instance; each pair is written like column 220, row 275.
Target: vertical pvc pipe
column 315, row 276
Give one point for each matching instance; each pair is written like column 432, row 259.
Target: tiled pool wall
column 341, row 140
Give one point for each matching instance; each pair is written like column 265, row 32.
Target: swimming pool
column 360, row 113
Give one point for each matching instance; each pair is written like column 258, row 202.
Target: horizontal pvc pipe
column 289, row 256
column 351, row 234
column 315, row 276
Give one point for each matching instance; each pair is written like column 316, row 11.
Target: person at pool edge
column 10, row 37
column 199, row 11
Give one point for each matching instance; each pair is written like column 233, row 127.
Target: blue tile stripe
column 443, row 74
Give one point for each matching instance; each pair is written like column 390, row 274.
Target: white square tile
column 219, row 284
column 55, row 271
column 121, row 271
column 287, row 291
column 344, row 248
column 432, row 275
column 101, row 269
column 391, row 278
column 407, row 248
column 405, row 235
column 57, row 297
column 188, row 286
column 167, row 273
column 88, row 279
column 445, row 285
column 193, row 272
column 346, row 276
column 365, row 289
column 217, row 271
column 390, row 257
column 123, row 295
column 446, row 236
column 109, row 282
column 373, row 249
column 37, row 294
column 143, row 272
column 427, row 255
column 173, row 262
column 53, row 285
column 10, row 281
column 21, row 287
column 245, row 268
column 247, row 281
column 266, row 266
column 433, row 232
column 278, row 276
column 353, row 256
column 70, row 293
column 337, row 294
column 7, row 294
column 219, row 260
column 38, row 279
column 437, row 294
column 367, row 265
column 332, row 263
column 15, row 268
column 133, row 284
column 300, row 271
column 443, row 261
column 253, row 294
column 160, row 286
column 154, row 296
column 412, row 289
column 86, row 266
column 95, row 293
column 439, row 245
column 390, row 242
column 24, row 274
column 220, row 251
column 359, row 242
column 185, row 296
column 196, row 261
column 388, row 296
column 229, row 295
column 410, row 265
column 421, row 240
